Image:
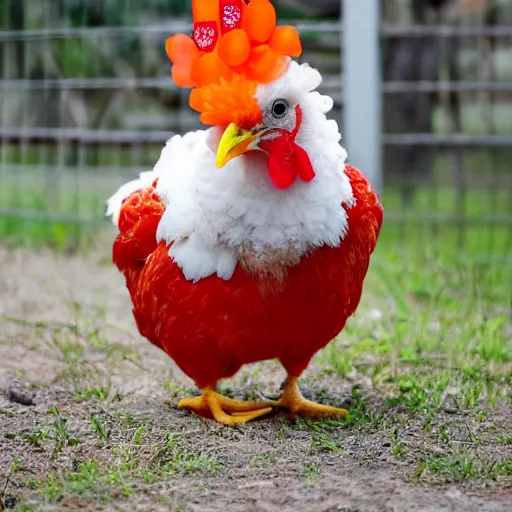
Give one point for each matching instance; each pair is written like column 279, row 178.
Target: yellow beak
column 234, row 143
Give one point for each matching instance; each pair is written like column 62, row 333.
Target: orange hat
column 235, row 46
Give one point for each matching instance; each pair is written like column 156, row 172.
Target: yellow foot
column 296, row 405
column 224, row 410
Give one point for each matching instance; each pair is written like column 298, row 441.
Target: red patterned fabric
column 206, row 35
column 230, row 14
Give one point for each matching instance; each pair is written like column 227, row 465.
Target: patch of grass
column 312, row 474
column 462, row 465
column 99, row 426
column 259, row 461
column 322, row 434
column 37, row 437
column 160, row 457
column 397, row 448
column 175, row 459
column 441, row 338
column 57, row 432
column 137, row 438
column 90, row 478
column 100, row 393
column 324, row 442
column 79, row 345
column 127, row 418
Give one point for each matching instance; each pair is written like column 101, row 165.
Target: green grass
column 436, row 339
column 440, row 326
column 462, row 465
column 105, row 482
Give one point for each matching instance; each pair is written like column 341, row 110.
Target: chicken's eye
column 280, row 108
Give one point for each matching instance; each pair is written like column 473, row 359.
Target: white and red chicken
column 249, row 240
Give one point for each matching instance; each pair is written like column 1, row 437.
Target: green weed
column 99, row 427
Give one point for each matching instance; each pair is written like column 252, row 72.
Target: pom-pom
column 209, row 68
column 286, row 41
column 182, row 76
column 234, row 48
column 228, row 102
column 264, row 65
column 204, row 10
column 181, row 49
column 259, row 20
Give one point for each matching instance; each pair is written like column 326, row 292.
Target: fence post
column 361, row 69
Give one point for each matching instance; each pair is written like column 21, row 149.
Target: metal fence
column 86, row 103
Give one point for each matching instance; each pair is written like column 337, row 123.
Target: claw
column 224, row 410
column 296, row 405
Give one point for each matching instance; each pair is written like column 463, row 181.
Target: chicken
column 250, row 240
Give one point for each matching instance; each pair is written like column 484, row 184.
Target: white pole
column 361, row 68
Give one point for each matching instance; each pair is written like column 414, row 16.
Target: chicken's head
column 275, row 136
column 245, row 83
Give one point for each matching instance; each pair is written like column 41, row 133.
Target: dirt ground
column 93, row 430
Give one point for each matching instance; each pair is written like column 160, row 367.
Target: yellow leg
column 224, row 410
column 293, row 402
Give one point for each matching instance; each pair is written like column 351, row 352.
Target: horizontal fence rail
column 329, row 82
column 172, row 27
column 441, row 87
column 166, row 28
column 447, row 31
column 84, row 136
column 449, row 140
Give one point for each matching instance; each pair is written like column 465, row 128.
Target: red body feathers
column 213, row 327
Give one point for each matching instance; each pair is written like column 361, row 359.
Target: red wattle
column 282, row 175
column 304, row 167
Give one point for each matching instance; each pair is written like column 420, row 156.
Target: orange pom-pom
column 195, row 100
column 265, row 65
column 227, row 102
column 208, row 69
column 259, row 20
column 181, row 76
column 286, row 41
column 181, row 49
column 205, row 10
column 234, row 48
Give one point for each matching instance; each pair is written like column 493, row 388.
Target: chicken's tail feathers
column 115, row 203
column 137, row 219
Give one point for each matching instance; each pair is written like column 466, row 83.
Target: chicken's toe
column 224, row 410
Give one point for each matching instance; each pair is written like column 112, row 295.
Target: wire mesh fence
column 448, row 123
column 86, row 102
